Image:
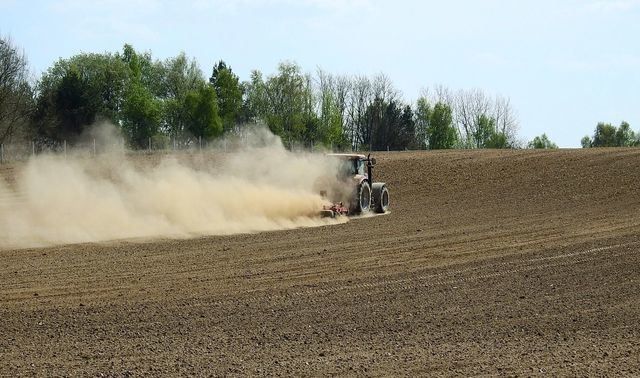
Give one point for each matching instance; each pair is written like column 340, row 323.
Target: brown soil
column 490, row 263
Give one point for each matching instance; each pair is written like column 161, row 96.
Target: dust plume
column 253, row 185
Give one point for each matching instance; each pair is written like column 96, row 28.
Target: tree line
column 607, row 135
column 172, row 99
column 158, row 101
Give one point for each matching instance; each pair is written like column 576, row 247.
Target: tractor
column 355, row 192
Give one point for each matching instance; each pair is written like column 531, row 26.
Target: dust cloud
column 252, row 184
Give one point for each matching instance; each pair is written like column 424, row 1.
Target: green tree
column 395, row 130
column 202, row 110
column 74, row 92
column 487, row 136
column 141, row 115
column 254, row 107
column 331, row 122
column 229, row 94
column 74, row 104
column 16, row 94
column 484, row 131
column 407, row 130
column 150, row 73
column 283, row 101
column 607, row 135
column 542, row 142
column 625, row 137
column 422, row 118
column 604, row 135
column 331, row 92
column 497, row 140
column 247, row 113
column 181, row 76
column 441, row 133
column 372, row 130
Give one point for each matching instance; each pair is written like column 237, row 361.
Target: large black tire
column 380, row 197
column 362, row 200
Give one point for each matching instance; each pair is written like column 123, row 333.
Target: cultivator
column 332, row 211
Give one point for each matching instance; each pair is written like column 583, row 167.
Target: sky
column 565, row 65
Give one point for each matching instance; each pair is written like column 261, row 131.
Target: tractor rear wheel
column 380, row 197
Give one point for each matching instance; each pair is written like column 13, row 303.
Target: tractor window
column 360, row 167
column 352, row 167
column 347, row 168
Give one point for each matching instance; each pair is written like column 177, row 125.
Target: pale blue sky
column 565, row 64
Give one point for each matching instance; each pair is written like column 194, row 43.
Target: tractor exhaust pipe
column 370, row 164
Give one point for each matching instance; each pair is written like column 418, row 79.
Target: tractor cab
column 352, row 165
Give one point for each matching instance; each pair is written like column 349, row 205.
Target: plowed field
column 490, row 263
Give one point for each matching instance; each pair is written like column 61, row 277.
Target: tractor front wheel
column 363, row 199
